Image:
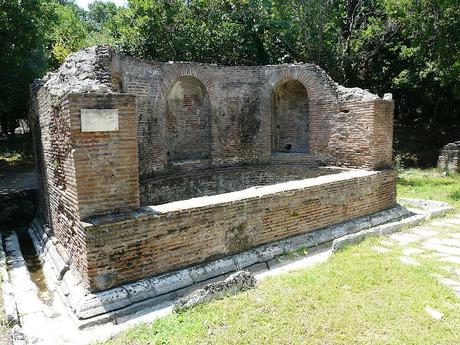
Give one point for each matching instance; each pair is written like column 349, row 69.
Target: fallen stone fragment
column 236, row 282
column 18, row 337
column 435, row 314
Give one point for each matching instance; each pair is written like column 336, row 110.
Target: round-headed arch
column 290, row 112
column 188, row 119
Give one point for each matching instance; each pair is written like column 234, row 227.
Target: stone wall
column 449, row 157
column 182, row 185
column 163, row 238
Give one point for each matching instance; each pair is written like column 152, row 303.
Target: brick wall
column 290, row 118
column 83, row 173
column 188, row 117
column 215, row 117
column 151, row 243
column 56, row 171
column 183, row 185
column 105, row 162
column 245, row 102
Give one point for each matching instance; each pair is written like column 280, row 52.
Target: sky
column 84, row 3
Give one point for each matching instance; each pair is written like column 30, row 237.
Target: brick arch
column 317, row 83
column 322, row 100
column 187, row 116
column 177, row 70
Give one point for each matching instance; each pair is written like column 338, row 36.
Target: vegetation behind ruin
column 410, row 48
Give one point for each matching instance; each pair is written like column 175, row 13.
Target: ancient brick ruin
column 149, row 167
column 449, row 157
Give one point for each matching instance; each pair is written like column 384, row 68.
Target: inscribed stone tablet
column 99, row 120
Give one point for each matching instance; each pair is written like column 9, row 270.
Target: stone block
column 212, row 269
column 236, row 282
column 102, row 302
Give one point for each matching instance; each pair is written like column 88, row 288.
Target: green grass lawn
column 357, row 297
column 430, row 184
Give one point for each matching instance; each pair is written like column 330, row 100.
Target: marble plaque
column 99, row 120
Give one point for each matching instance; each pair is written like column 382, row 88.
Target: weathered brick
column 189, row 130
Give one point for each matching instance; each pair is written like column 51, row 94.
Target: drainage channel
column 34, row 265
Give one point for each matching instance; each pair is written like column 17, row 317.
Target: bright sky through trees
column 84, row 3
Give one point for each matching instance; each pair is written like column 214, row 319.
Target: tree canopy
column 408, row 47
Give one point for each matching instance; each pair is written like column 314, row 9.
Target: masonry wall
column 243, row 112
column 179, row 185
column 83, row 173
column 58, row 186
column 183, row 118
column 449, row 157
column 131, row 248
column 105, row 162
column 290, row 118
column 187, row 120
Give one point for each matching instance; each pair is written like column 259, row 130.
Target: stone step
column 442, row 249
column 444, row 241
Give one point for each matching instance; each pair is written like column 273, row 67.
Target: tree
column 23, row 58
column 412, row 49
column 67, row 32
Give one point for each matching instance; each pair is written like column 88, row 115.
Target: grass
column 430, row 184
column 357, row 297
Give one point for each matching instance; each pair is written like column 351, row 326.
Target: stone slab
column 99, row 120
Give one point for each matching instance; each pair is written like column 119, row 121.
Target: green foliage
column 15, row 150
column 412, row 49
column 430, row 184
column 22, row 57
column 68, row 32
column 408, row 47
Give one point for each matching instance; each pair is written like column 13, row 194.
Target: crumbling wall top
column 87, row 70
column 355, row 94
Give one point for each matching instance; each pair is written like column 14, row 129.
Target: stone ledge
column 432, row 209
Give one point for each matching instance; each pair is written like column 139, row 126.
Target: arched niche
column 290, row 117
column 188, row 120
